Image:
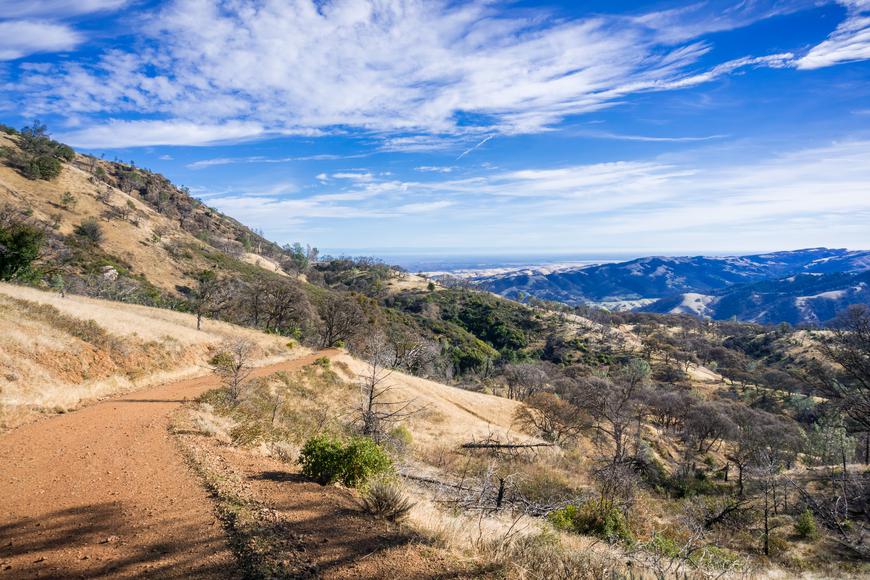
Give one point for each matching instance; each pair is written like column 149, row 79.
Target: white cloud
column 806, row 197
column 206, row 163
column 352, row 176
column 20, row 38
column 435, row 169
column 149, row 133
column 56, row 8
column 848, row 43
column 647, row 138
column 424, row 207
column 421, row 73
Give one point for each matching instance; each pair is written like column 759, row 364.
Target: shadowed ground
column 104, row 491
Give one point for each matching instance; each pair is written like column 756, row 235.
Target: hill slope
column 684, row 284
column 800, row 299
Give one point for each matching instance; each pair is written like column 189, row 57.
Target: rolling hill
column 702, row 285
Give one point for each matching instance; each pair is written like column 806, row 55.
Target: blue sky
column 463, row 127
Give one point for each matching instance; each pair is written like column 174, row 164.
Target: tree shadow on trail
column 91, row 541
column 332, row 532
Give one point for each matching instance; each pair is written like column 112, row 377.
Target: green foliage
column 592, row 518
column 327, row 459
column 39, row 156
column 805, row 526
column 68, row 200
column 19, row 248
column 401, row 437
column 323, row 362
column 90, row 231
column 7, row 130
column 43, row 167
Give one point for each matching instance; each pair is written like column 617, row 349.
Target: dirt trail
column 104, row 491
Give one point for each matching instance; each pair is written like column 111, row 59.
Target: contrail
column 478, row 146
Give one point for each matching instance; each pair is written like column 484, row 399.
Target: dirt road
column 103, row 491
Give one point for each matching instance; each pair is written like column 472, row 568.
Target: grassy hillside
column 57, row 353
column 682, row 444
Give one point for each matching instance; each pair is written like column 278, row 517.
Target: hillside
column 155, row 236
column 677, row 280
column 57, row 353
column 507, row 436
column 808, row 298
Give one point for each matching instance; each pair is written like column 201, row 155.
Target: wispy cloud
column 149, row 133
column 206, row 163
column 483, row 142
column 694, row 203
column 848, row 43
column 421, row 74
column 647, row 138
column 20, row 38
column 56, row 8
column 435, row 168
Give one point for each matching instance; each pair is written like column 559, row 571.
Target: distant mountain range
column 802, row 286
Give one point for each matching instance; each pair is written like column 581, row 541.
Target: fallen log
column 485, row 445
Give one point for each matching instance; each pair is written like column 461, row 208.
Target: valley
column 197, row 401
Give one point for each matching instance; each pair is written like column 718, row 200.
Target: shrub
column 327, row 459
column 90, row 230
column 401, row 437
column 323, row 362
column 384, row 497
column 42, row 167
column 68, row 200
column 592, row 518
column 19, row 248
column 65, row 152
column 805, row 526
column 363, row 458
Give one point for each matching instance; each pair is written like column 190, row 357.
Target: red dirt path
column 104, row 491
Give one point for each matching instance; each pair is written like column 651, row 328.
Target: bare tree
column 551, row 417
column 849, row 386
column 613, row 407
column 379, row 408
column 523, row 380
column 340, row 319
column 233, row 365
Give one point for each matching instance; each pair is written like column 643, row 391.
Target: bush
column 90, row 230
column 42, row 167
column 68, row 200
column 384, row 497
column 401, row 438
column 592, row 518
column 805, row 526
column 327, row 459
column 19, row 248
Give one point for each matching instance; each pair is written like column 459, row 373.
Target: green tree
column 90, row 231
column 205, row 297
column 19, row 248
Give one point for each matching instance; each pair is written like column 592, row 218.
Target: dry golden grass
column 447, row 415
column 142, row 242
column 56, row 353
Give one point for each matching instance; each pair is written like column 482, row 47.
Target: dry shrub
column 385, row 497
column 209, row 423
column 543, row 555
